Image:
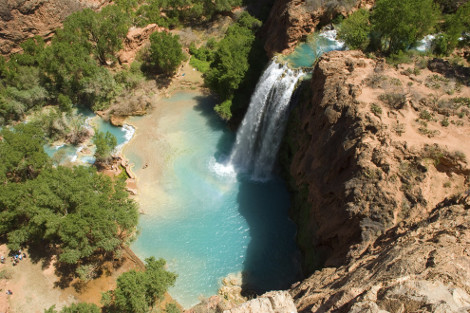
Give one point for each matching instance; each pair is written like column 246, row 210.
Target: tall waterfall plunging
column 260, row 134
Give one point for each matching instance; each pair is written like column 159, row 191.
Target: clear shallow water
column 122, row 134
column 306, row 53
column 211, row 222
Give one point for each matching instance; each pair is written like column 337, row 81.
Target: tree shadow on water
column 272, row 259
column 205, row 107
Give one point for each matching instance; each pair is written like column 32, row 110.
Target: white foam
column 425, row 44
column 332, row 35
column 129, row 133
column 222, row 170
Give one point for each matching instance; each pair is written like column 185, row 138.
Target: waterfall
column 260, row 134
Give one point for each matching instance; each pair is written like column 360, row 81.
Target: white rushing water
column 260, row 134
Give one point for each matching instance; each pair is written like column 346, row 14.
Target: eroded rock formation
column 22, row 19
column 292, row 20
column 417, row 267
column 378, row 162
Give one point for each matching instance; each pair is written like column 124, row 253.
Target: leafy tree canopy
column 21, row 152
column 137, row 292
column 165, row 52
column 105, row 144
column 76, row 308
column 398, row 24
column 231, row 61
column 355, row 30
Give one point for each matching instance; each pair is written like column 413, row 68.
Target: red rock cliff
column 22, row 19
column 291, row 20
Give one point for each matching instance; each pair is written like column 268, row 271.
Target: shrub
column 105, row 144
column 400, row 23
column 425, row 115
column 374, row 108
column 165, row 53
column 394, row 100
column 445, row 122
column 354, row 31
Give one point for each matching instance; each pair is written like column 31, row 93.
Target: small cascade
column 260, row 134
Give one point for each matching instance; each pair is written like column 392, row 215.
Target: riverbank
column 34, row 283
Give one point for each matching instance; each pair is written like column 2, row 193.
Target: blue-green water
column 208, row 222
column 70, row 153
column 306, row 53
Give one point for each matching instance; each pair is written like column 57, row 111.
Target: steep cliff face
column 22, row 19
column 292, row 20
column 366, row 150
column 421, row 267
column 377, row 159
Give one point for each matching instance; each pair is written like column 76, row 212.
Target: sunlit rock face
column 292, row 20
column 23, row 19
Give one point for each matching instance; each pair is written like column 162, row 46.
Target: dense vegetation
column 165, row 53
column 227, row 64
column 73, row 69
column 395, row 26
column 105, row 144
column 137, row 292
column 76, row 213
column 76, row 308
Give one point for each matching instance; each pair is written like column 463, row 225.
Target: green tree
column 231, row 62
column 81, row 213
column 355, row 30
column 22, row 154
column 138, row 292
column 165, row 53
column 105, row 144
column 456, row 26
column 400, row 23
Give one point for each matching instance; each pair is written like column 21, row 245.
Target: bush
column 445, row 122
column 355, row 30
column 223, row 109
column 105, row 144
column 400, row 23
column 425, row 115
column 231, row 62
column 374, row 108
column 137, row 292
column 165, row 53
column 394, row 100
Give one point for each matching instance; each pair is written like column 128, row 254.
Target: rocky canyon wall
column 292, row 20
column 381, row 191
column 22, row 19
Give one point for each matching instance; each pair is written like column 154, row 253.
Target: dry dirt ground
column 34, row 285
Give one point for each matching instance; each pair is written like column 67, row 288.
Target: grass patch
column 5, row 274
column 201, row 66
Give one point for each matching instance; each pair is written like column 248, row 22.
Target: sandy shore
column 34, row 284
column 151, row 135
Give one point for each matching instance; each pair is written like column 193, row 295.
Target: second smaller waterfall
column 260, row 134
